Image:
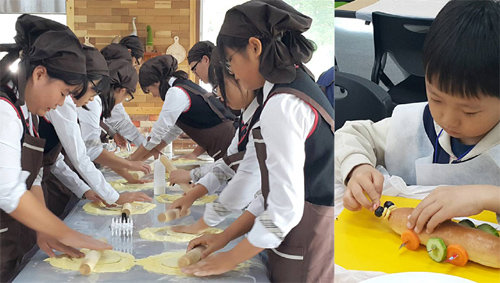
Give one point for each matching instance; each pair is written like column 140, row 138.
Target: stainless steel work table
column 98, row 226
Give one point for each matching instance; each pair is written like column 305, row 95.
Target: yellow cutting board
column 365, row 242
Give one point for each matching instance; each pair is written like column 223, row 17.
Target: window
column 321, row 31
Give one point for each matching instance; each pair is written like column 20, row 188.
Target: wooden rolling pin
column 171, row 214
column 191, row 257
column 90, row 260
column 127, row 209
column 169, row 167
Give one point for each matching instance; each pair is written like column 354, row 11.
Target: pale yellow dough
column 100, row 209
column 166, row 263
column 168, row 198
column 165, row 234
column 121, row 185
column 110, row 261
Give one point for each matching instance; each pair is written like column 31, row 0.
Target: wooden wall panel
column 102, row 20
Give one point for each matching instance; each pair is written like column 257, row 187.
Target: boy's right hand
column 77, row 240
column 364, row 180
column 212, row 242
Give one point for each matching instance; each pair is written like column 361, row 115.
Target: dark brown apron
column 59, row 199
column 16, row 240
column 306, row 253
column 214, row 140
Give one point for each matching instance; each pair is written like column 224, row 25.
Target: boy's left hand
column 212, row 265
column 445, row 203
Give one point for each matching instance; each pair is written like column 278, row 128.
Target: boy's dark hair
column 461, row 50
column 200, row 49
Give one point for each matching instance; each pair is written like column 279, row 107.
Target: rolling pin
column 127, row 209
column 171, row 214
column 191, row 257
column 90, row 260
column 169, row 167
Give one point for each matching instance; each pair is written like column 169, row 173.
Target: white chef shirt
column 12, row 178
column 176, row 102
column 121, row 123
column 221, row 173
column 64, row 120
column 90, row 127
column 285, row 123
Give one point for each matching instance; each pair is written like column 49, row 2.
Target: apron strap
column 244, row 129
column 439, row 156
column 306, row 98
column 206, row 98
column 260, row 149
column 233, row 161
column 106, row 129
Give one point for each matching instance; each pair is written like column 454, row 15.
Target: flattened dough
column 168, row 198
column 100, row 209
column 110, row 261
column 165, row 234
column 166, row 263
column 121, row 185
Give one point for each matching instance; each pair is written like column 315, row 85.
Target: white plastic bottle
column 159, row 177
column 169, row 153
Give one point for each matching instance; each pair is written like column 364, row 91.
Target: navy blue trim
column 439, row 155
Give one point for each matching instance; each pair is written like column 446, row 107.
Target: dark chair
column 362, row 100
column 402, row 38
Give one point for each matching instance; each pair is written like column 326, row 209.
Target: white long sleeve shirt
column 359, row 142
column 12, row 178
column 176, row 102
column 121, row 123
column 64, row 120
column 68, row 177
column 221, row 173
column 90, row 128
column 285, row 124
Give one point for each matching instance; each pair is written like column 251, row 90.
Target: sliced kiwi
column 436, row 249
column 467, row 223
column 488, row 228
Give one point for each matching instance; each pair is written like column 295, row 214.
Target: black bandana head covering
column 133, row 43
column 95, row 62
column 157, row 69
column 49, row 43
column 277, row 23
column 116, row 51
column 122, row 74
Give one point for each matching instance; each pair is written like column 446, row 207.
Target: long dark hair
column 104, row 90
column 165, row 86
column 218, row 74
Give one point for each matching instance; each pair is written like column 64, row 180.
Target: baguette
column 482, row 247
